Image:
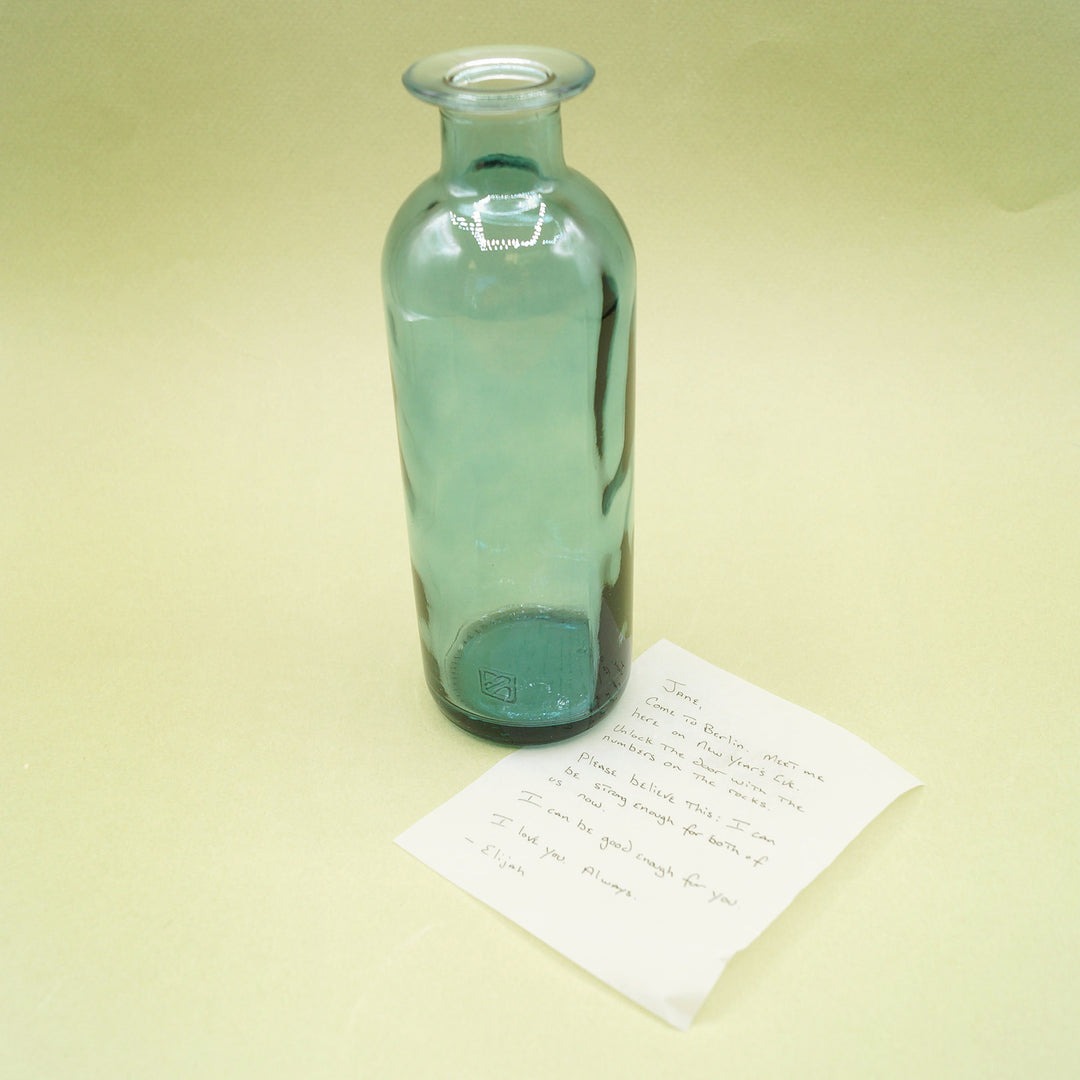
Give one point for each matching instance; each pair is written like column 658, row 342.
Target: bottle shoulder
column 448, row 221
column 449, row 236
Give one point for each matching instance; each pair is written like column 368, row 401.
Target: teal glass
column 509, row 285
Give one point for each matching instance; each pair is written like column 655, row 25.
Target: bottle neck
column 530, row 140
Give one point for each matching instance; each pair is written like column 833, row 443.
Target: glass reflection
column 516, row 205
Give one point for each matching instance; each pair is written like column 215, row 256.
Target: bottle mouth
column 498, row 75
column 498, row 78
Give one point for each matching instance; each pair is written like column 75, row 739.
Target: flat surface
column 858, row 460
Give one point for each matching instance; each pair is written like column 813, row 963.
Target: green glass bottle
column 509, row 286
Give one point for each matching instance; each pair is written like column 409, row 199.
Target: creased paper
column 655, row 846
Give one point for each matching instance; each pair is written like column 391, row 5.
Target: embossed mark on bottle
column 498, row 685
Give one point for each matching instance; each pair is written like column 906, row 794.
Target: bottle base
column 522, row 734
column 533, row 675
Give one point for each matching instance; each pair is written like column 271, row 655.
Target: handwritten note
column 655, row 846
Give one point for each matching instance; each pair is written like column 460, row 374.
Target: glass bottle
column 509, row 286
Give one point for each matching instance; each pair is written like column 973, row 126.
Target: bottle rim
column 498, row 78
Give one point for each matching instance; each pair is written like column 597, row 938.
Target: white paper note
column 652, row 848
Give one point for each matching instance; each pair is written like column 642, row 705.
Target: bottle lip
column 498, row 78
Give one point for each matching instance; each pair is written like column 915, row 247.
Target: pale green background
column 858, row 230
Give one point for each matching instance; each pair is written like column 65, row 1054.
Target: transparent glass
column 509, row 286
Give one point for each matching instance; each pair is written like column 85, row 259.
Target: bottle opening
column 498, row 78
column 499, row 74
